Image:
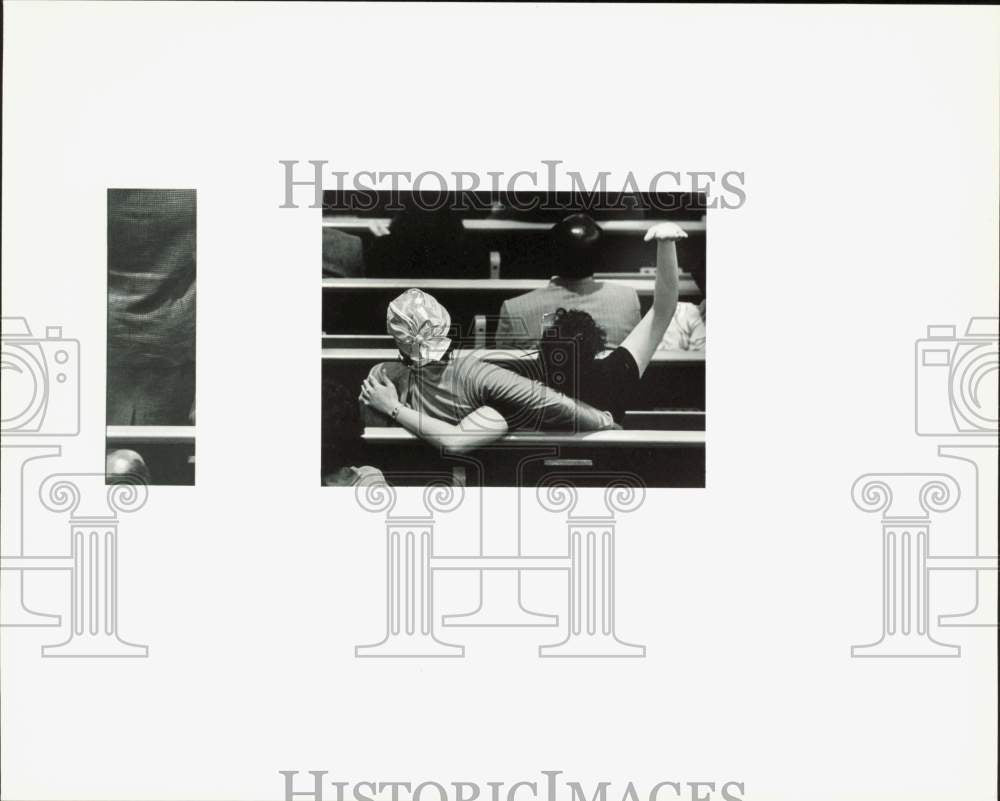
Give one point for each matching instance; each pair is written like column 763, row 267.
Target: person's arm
column 532, row 404
column 370, row 416
column 481, row 427
column 645, row 337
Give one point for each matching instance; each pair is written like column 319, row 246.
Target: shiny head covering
column 420, row 325
column 575, row 246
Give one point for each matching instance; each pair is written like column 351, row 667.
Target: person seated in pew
column 342, row 443
column 575, row 253
column 687, row 330
column 612, row 381
column 342, row 254
column 425, row 243
column 458, row 403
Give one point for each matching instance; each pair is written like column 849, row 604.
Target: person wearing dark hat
column 575, row 248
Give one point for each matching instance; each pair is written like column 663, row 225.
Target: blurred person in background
column 425, row 243
column 687, row 330
column 151, row 309
column 342, row 254
column 151, row 306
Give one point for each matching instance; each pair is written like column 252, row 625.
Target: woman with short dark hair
column 572, row 343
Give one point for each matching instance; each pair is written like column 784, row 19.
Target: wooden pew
column 358, row 305
column 664, row 420
column 509, row 247
column 674, row 380
column 130, row 436
column 357, row 341
column 658, row 458
column 355, row 224
column 519, row 249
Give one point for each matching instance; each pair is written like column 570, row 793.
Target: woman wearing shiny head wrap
column 420, row 326
column 458, row 403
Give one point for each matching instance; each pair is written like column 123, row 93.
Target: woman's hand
column 379, row 393
column 665, row 232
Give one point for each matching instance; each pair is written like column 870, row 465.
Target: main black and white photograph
column 497, row 338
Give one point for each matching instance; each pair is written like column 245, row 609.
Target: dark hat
column 576, row 246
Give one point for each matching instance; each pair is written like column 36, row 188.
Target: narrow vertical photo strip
column 150, row 414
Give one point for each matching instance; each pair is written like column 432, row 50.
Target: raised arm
column 645, row 337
